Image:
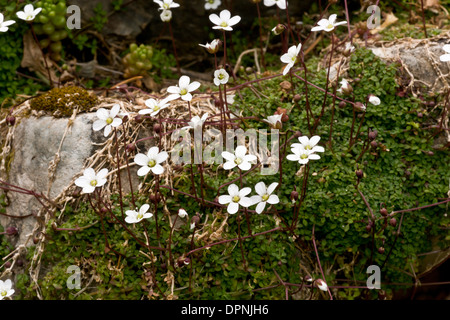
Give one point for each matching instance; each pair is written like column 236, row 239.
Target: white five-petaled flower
column 374, row 100
column 90, row 180
column 182, row 213
column 28, row 13
column 107, row 119
column 151, row 161
column 308, row 144
column 166, row 4
column 264, row 196
column 239, row 159
column 137, row 216
column 212, row 47
column 445, row 57
column 280, row 3
column 275, row 121
column 154, row 106
column 6, row 289
column 290, row 57
column 166, row 15
column 224, row 21
column 212, row 4
column 302, row 155
column 196, row 122
column 235, row 198
column 5, row 24
column 321, row 285
column 220, row 77
column 328, row 24
column 184, row 89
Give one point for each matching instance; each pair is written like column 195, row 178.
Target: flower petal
column 244, row 191
column 161, row 157
column 271, row 188
column 116, row 122
column 260, row 207
column 144, row 208
column 214, row 18
column 143, row 171
column 245, row 166
column 152, row 152
column 260, row 188
column 273, row 199
column 102, row 173
column 89, row 173
column 224, row 199
column 157, row 169
column 234, row 20
column 114, row 110
column 98, row 125
column 193, row 86
column 102, row 114
column 184, row 82
column 107, row 131
column 233, row 207
column 228, row 156
column 246, row 202
column 240, row 151
column 141, row 159
column 229, row 165
column 233, row 190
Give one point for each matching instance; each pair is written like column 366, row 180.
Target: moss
column 62, row 101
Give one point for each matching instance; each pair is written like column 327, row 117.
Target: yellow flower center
column 109, row 120
column 265, row 197
column 308, row 147
column 183, row 92
column 211, row 1
column 152, row 163
column 224, row 24
column 93, row 183
column 238, row 161
column 236, row 199
column 166, row 6
column 139, row 216
column 221, row 76
column 4, row 293
column 155, row 108
column 330, row 26
column 294, row 59
column 304, row 156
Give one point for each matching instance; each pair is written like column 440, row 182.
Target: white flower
column 302, row 155
column 166, row 4
column 275, row 120
column 328, row 24
column 235, row 198
column 212, row 47
column 264, row 196
column 280, row 3
column 183, row 89
column 166, row 15
column 107, row 119
column 239, row 159
column 154, row 106
column 196, row 122
column 308, row 144
column 445, row 57
column 182, row 213
column 224, row 21
column 4, row 24
column 374, row 100
column 220, row 77
column 6, row 289
column 345, row 88
column 151, row 161
column 290, row 57
column 28, row 13
column 90, row 180
column 321, row 285
column 212, row 4
column 135, row 217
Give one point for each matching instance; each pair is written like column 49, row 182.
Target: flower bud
column 342, row 104
column 130, row 147
column 195, row 220
column 359, row 174
column 157, row 127
column 297, row 134
column 187, row 261
column 10, row 120
column 321, row 285
column 11, row 231
column 393, row 222
column 360, row 107
column 348, row 50
column 138, row 118
column 294, row 196
column 381, row 294
column 373, row 134
column 249, row 70
column 374, row 144
column 297, row 98
column 381, row 250
column 307, row 278
column 368, row 227
column 279, row 29
column 8, row 264
column 383, row 212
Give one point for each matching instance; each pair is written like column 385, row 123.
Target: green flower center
column 139, row 216
column 308, row 147
column 265, row 197
column 330, row 26
column 238, row 161
column 211, row 1
column 93, row 183
column 4, row 293
column 109, row 120
column 152, row 163
column 166, row 6
column 221, row 76
column 224, row 24
column 304, row 156
column 294, row 59
column 236, row 199
column 183, row 92
column 155, row 108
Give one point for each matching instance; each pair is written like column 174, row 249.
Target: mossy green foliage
column 138, row 60
column 61, row 102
